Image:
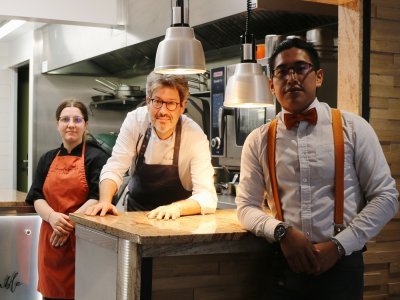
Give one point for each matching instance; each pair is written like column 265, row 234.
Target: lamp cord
column 248, row 16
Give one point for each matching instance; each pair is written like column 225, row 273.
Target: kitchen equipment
column 98, row 98
column 104, row 91
column 105, row 140
column 231, row 126
column 122, row 90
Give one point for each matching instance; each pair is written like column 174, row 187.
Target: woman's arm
column 58, row 221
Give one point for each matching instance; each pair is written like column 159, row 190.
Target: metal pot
column 122, row 90
column 98, row 98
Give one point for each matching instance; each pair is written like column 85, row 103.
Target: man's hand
column 166, row 212
column 103, row 208
column 58, row 240
column 60, row 223
column 300, row 253
column 328, row 256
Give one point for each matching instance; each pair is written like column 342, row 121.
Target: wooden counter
column 193, row 257
column 13, row 202
column 12, row 198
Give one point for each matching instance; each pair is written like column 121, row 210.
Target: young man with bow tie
column 326, row 182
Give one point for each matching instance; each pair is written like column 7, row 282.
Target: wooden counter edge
column 151, row 235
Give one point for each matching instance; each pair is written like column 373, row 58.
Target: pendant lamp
column 180, row 52
column 248, row 86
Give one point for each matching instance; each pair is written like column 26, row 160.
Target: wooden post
column 350, row 57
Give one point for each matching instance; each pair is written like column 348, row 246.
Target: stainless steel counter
column 19, row 233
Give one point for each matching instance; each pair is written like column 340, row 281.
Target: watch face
column 280, row 232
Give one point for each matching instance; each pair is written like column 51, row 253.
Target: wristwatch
column 280, row 231
column 339, row 247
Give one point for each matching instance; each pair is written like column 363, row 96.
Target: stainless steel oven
column 231, row 126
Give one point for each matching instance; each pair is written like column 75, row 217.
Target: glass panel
column 248, row 119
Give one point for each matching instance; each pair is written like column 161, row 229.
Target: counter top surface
column 136, row 227
column 12, row 198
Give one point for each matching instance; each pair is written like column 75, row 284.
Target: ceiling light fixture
column 248, row 86
column 10, row 26
column 180, row 52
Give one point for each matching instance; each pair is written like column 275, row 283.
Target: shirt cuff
column 207, row 202
column 113, row 177
column 349, row 241
column 269, row 229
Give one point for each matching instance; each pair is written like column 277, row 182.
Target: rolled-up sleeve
column 195, row 168
column 124, row 151
column 202, row 175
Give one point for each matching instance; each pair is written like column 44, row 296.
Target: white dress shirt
column 305, row 170
column 194, row 165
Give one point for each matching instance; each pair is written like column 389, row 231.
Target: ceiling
column 28, row 26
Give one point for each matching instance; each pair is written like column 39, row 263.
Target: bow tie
column 309, row 116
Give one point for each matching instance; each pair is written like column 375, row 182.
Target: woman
column 66, row 181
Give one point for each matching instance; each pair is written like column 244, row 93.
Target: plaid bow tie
column 309, row 116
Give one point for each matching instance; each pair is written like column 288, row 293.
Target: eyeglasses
column 66, row 119
column 157, row 103
column 300, row 68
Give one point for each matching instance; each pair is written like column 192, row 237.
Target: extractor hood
column 220, row 38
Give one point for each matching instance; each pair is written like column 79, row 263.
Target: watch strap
column 339, row 247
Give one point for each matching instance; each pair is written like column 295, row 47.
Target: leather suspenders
column 338, row 140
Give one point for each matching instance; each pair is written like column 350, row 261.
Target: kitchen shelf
column 117, row 104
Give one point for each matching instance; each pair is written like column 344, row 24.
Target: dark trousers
column 344, row 281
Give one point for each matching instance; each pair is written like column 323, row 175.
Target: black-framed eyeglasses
column 157, row 103
column 75, row 119
column 300, row 68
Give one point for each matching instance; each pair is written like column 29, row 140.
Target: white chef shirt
column 194, row 165
column 305, row 170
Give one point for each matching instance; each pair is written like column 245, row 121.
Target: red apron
column 65, row 190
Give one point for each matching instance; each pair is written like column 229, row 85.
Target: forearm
column 108, row 188
column 188, row 207
column 43, row 209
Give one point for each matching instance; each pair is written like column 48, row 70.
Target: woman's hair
column 72, row 102
column 156, row 81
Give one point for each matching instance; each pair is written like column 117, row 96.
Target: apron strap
column 177, row 142
column 140, row 157
column 338, row 140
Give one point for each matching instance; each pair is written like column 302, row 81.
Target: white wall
column 6, row 120
column 12, row 54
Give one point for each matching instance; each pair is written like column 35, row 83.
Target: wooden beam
column 350, row 57
column 333, row 2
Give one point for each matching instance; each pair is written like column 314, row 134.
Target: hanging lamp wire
column 180, row 52
column 248, row 86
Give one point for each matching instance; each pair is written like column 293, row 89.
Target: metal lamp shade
column 248, row 87
column 180, row 53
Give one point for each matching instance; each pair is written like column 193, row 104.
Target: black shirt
column 95, row 158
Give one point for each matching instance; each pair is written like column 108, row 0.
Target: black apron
column 154, row 185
